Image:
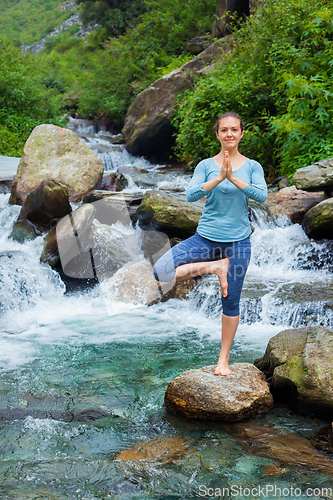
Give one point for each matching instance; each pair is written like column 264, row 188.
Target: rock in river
column 57, row 153
column 316, row 177
column 318, row 221
column 201, row 394
column 135, row 283
column 292, row 202
column 299, row 363
column 170, row 213
column 47, row 203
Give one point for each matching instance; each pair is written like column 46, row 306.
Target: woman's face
column 229, row 133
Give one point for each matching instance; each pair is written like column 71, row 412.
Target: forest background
column 278, row 76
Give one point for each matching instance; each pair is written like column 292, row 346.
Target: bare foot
column 221, row 270
column 222, row 367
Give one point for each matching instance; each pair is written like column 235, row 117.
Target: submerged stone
column 163, row 450
column 202, row 395
column 290, row 449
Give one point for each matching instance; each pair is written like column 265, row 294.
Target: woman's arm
column 257, row 190
column 195, row 190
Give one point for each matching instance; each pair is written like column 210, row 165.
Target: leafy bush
column 101, row 77
column 114, row 15
column 279, row 79
column 24, row 101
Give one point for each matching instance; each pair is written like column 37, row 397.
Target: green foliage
column 279, row 79
column 24, row 101
column 114, row 15
column 102, row 77
column 26, row 21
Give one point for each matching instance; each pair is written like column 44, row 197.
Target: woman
column 227, row 180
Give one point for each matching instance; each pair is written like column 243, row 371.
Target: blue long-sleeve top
column 225, row 215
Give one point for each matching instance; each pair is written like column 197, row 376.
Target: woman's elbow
column 262, row 197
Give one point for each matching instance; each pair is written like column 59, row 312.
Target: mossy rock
column 298, row 363
column 171, row 214
column 318, row 221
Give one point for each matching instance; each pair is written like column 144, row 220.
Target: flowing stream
column 82, row 386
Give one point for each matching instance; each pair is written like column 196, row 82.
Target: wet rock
column 71, row 238
column 132, row 200
column 24, row 230
column 88, row 415
column 6, row 186
column 202, row 395
column 57, row 153
column 291, row 202
column 136, row 284
column 323, row 439
column 112, row 248
column 170, row 213
column 298, row 363
column 316, row 177
column 114, row 182
column 163, row 450
column 46, row 204
column 318, row 221
column 304, row 292
column 148, row 130
column 289, row 449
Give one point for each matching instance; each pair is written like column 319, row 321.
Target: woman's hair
column 226, row 115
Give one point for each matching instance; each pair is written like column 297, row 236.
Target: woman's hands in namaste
column 226, row 169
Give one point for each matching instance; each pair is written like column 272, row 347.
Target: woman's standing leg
column 239, row 254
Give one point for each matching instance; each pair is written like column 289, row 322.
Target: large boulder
column 57, row 153
column 292, row 202
column 170, row 213
column 148, row 130
column 134, row 283
column 46, row 204
column 316, row 177
column 298, row 363
column 202, row 395
column 71, row 238
column 318, row 221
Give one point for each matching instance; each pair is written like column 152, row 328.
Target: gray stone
column 316, row 177
column 57, row 153
column 292, row 202
column 136, row 284
column 299, row 363
column 200, row 394
column 171, row 213
column 46, row 204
